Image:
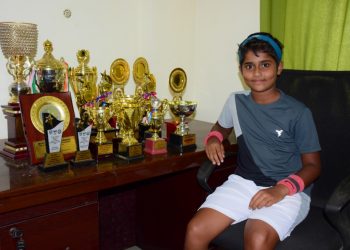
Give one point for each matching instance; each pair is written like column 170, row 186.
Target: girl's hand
column 267, row 197
column 215, row 151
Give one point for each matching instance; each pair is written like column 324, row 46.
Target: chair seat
column 314, row 233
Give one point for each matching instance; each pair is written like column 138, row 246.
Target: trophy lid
column 48, row 61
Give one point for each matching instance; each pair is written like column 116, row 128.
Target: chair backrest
column 327, row 94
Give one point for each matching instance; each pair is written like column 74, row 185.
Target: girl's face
column 260, row 71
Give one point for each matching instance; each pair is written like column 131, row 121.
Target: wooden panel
column 76, row 228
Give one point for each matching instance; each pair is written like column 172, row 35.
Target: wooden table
column 112, row 205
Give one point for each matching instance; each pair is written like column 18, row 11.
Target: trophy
column 100, row 115
column 53, row 130
column 129, row 112
column 83, row 132
column 155, row 144
column 181, row 139
column 18, row 43
column 50, row 72
column 83, row 80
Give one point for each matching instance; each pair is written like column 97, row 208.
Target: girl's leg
column 258, row 235
column 204, row 227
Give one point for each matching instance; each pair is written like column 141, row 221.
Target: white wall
column 201, row 36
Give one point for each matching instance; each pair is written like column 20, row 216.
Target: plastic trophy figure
column 181, row 139
column 53, row 131
column 18, row 43
column 155, row 144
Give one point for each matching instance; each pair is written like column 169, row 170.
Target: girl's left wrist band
column 214, row 133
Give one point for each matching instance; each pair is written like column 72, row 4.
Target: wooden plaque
column 60, row 105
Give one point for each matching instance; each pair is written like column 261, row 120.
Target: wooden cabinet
column 67, row 224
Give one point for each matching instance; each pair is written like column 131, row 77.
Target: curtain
column 315, row 33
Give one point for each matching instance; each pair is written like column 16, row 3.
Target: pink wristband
column 299, row 180
column 217, row 134
column 294, row 183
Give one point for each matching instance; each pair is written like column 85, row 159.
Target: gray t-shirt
column 271, row 137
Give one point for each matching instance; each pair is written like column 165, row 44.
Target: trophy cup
column 155, row 144
column 53, row 130
column 100, row 146
column 83, row 132
column 18, row 43
column 50, row 72
column 128, row 110
column 181, row 139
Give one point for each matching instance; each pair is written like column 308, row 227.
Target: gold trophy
column 83, row 80
column 129, row 112
column 50, row 72
column 100, row 115
column 181, row 139
column 18, row 43
column 155, row 144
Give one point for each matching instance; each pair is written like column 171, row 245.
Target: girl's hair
column 261, row 42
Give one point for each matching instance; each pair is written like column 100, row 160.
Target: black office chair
column 327, row 227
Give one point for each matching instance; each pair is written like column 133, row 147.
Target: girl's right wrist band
column 214, row 133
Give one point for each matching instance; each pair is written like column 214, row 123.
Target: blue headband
column 267, row 39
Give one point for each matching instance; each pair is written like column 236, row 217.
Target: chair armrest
column 337, row 210
column 340, row 197
column 205, row 171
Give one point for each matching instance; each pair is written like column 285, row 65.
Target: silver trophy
column 18, row 43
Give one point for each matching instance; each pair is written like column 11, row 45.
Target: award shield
column 83, row 132
column 155, row 144
column 181, row 139
column 53, row 131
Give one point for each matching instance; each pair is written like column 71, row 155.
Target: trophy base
column 101, row 151
column 130, row 152
column 53, row 161
column 183, row 143
column 155, row 146
column 15, row 149
column 82, row 158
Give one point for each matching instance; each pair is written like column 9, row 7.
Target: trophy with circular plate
column 181, row 140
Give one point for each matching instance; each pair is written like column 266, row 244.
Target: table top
column 23, row 185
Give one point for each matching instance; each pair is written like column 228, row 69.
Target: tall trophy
column 83, row 80
column 181, row 139
column 156, row 144
column 99, row 145
column 53, row 131
column 129, row 112
column 18, row 43
column 50, row 72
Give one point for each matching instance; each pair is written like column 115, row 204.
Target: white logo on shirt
column 279, row 132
